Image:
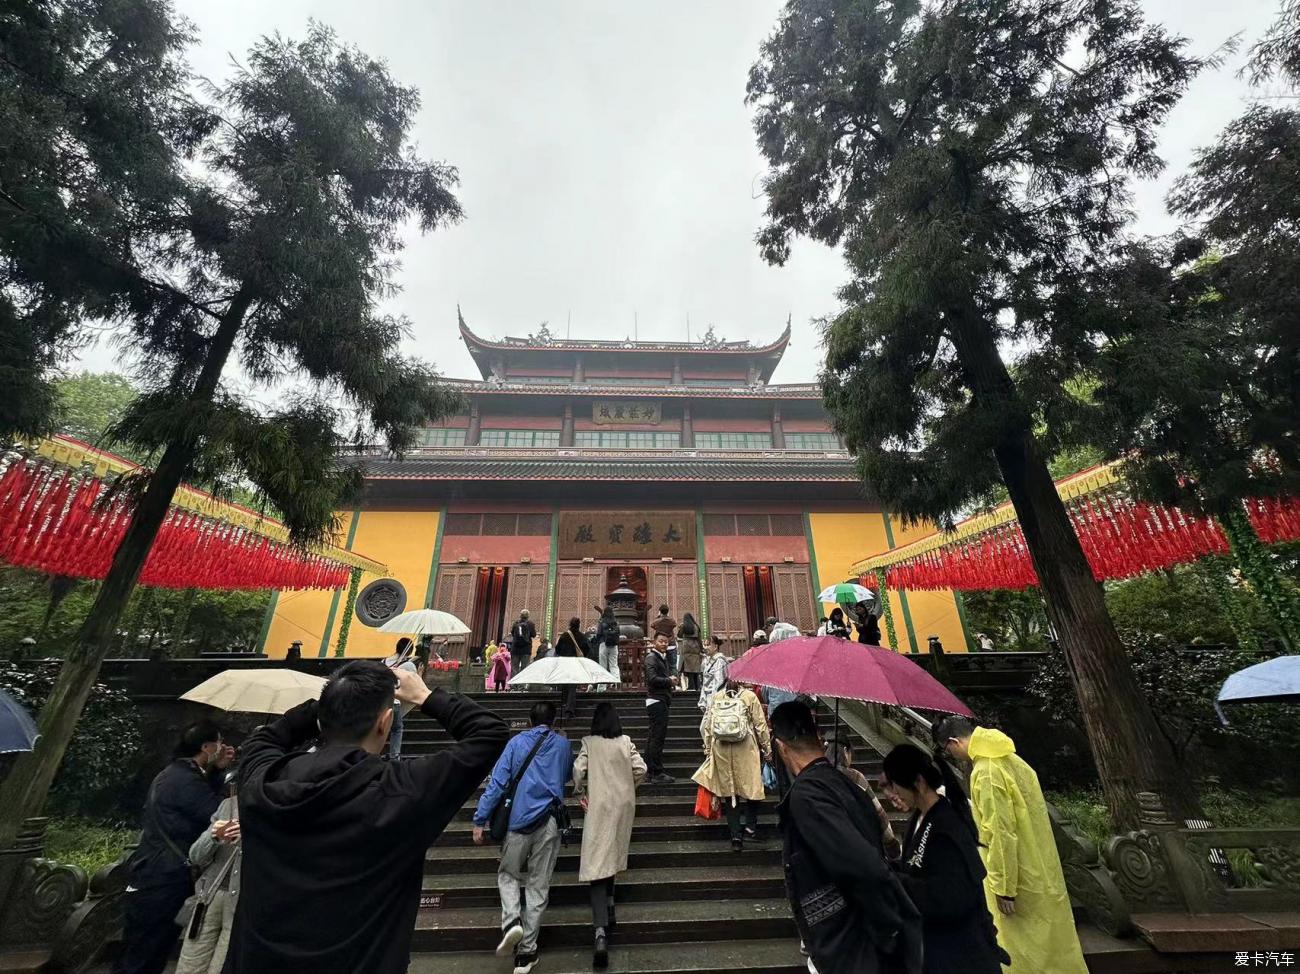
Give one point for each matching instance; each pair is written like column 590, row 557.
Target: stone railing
column 37, row 895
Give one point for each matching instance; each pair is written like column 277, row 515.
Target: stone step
column 479, row 928
column 716, row 957
column 684, row 826
column 634, row 886
column 642, row 854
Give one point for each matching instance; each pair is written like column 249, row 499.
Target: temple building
column 677, row 465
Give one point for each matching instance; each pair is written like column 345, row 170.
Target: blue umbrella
column 17, row 729
column 1273, row 681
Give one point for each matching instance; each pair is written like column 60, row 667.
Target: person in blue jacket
column 532, row 843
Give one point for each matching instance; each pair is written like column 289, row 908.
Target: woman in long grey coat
column 605, row 774
column 218, row 852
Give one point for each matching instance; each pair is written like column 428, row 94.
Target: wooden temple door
column 677, row 586
column 578, row 589
column 794, row 596
column 727, row 618
column 454, row 593
column 526, row 590
column 488, row 621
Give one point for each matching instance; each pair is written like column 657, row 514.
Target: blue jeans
column 395, row 735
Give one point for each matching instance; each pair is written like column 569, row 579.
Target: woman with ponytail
column 940, row 867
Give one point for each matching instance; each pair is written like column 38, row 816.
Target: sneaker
column 510, row 938
column 737, row 845
column 600, row 955
column 525, row 962
column 663, row 779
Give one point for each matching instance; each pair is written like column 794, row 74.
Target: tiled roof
column 545, row 341
column 801, row 390
column 769, row 467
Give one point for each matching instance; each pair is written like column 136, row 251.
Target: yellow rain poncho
column 1020, row 856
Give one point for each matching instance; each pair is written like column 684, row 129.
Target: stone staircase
column 687, row 903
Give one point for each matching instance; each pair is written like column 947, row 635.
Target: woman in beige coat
column 605, row 773
column 733, row 770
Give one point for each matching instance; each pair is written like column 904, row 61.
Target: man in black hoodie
column 335, row 839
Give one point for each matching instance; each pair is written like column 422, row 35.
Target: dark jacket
column 664, row 625
column 335, row 839
column 658, row 678
column 607, row 632
column 521, row 636
column 570, row 643
column 182, row 800
column 690, row 651
column 943, row 875
column 851, row 911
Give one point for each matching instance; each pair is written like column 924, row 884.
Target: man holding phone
column 335, row 838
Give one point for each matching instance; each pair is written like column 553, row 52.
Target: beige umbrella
column 257, row 691
column 425, row 622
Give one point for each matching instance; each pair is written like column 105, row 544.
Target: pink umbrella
column 832, row 667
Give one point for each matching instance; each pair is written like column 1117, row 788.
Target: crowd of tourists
column 309, row 848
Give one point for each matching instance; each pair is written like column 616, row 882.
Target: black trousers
column 657, row 713
column 569, row 701
column 602, row 898
column 518, row 661
column 733, row 809
column 693, row 682
column 149, row 931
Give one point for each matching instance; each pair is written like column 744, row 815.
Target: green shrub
column 105, row 748
column 90, row 845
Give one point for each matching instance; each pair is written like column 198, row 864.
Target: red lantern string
column 1120, row 537
column 61, row 523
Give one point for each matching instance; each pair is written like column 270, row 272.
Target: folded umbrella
column 563, row 671
column 17, row 729
column 257, row 691
column 425, row 622
column 832, row 667
column 1273, row 681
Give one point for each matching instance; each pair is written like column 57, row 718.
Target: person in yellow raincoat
column 1025, row 887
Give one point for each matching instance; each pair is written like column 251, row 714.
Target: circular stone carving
column 380, row 601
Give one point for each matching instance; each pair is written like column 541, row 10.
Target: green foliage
column 1181, row 686
column 971, row 158
column 91, row 403
column 1015, row 621
column 153, row 619
column 86, row 843
column 103, row 748
column 96, row 124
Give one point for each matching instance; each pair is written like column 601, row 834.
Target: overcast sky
column 608, row 166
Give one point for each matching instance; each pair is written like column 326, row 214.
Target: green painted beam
column 267, row 618
column 971, row 645
column 812, row 564
column 437, row 557
column 549, row 621
column 902, row 595
column 338, row 593
column 701, row 569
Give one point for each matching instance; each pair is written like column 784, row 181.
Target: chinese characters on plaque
column 614, row 411
column 627, row 534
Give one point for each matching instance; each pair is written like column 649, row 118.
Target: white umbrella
column 563, row 671
column 257, row 691
column 846, row 593
column 426, row 622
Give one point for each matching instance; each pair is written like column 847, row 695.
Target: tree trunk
column 1130, row 752
column 23, row 793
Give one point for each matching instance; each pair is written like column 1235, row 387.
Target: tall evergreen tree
column 1198, row 381
column 280, row 253
column 971, row 158
column 95, row 127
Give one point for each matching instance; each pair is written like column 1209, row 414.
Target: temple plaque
column 613, row 412
column 627, row 534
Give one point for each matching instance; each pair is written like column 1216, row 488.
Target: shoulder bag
column 499, row 820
